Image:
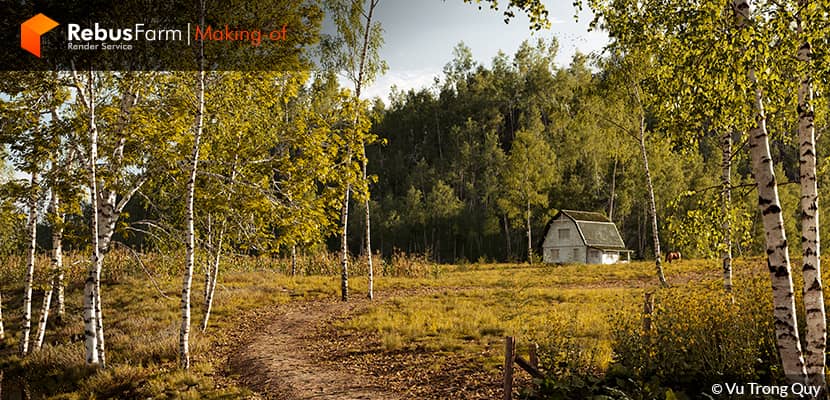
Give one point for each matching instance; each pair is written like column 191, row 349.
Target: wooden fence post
column 534, row 355
column 509, row 350
column 648, row 310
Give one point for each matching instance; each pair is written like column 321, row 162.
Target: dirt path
column 275, row 361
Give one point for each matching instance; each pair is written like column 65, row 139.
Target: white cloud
column 404, row 80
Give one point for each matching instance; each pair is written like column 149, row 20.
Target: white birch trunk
column 529, row 236
column 207, row 261
column 57, row 266
column 344, row 245
column 613, row 191
column 2, row 329
column 184, row 336
column 371, row 293
column 107, row 217
column 30, row 267
column 816, row 335
column 778, row 258
column 293, row 260
column 214, row 277
column 652, row 206
column 90, row 326
column 726, row 210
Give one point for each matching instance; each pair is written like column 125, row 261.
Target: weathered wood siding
column 563, row 243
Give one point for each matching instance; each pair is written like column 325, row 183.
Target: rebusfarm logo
column 32, row 30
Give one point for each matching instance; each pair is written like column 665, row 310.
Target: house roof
column 595, row 229
column 584, row 216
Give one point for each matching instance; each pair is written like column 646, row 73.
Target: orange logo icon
column 32, row 30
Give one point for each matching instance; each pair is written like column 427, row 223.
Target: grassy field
column 453, row 313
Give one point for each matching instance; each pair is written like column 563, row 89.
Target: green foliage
column 699, row 337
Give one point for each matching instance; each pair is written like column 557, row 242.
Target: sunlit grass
column 447, row 309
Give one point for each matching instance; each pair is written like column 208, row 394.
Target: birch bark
column 91, row 282
column 30, row 266
column 652, row 206
column 778, row 258
column 57, row 266
column 344, row 245
column 184, row 336
column 816, row 335
column 726, row 209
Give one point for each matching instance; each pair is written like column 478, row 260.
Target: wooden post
column 534, row 355
column 648, row 310
column 509, row 350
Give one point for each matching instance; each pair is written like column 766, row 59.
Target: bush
column 699, row 337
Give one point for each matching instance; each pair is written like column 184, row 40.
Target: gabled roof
column 596, row 230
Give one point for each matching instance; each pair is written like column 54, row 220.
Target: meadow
column 434, row 331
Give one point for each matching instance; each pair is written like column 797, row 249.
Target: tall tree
column 778, row 258
column 30, row 262
column 726, row 208
column 529, row 174
column 816, row 335
column 190, row 240
column 355, row 51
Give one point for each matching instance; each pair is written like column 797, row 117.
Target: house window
column 554, row 254
column 576, row 254
column 594, row 254
column 564, row 234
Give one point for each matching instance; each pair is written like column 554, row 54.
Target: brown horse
column 672, row 256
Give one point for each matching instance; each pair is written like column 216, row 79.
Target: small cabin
column 583, row 237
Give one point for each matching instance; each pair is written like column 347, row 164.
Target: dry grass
column 445, row 309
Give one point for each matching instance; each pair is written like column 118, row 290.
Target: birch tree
column 190, row 241
column 631, row 102
column 355, row 52
column 726, row 208
column 113, row 179
column 816, row 335
column 30, row 263
column 31, row 96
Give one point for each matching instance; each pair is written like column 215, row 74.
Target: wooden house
column 583, row 237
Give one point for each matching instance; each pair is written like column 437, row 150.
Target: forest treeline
column 459, row 161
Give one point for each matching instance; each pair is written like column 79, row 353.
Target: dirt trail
column 276, row 362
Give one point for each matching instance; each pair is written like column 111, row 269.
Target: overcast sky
column 420, row 35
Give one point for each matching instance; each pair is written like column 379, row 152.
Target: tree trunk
column 371, row 293
column 103, row 242
column 344, row 245
column 529, row 236
column 613, row 190
column 816, row 340
column 726, row 210
column 90, row 331
column 30, row 266
column 507, row 237
column 211, row 290
column 184, row 335
column 778, row 258
column 207, row 263
column 213, row 276
column 57, row 267
column 293, row 260
column 651, row 204
column 2, row 330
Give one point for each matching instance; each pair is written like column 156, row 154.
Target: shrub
column 699, row 336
